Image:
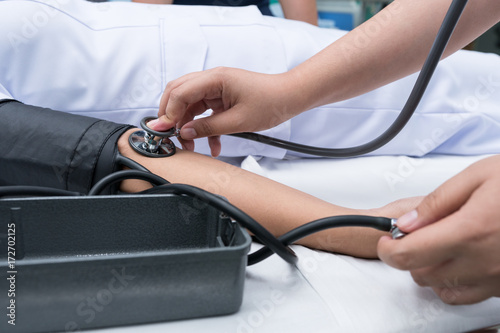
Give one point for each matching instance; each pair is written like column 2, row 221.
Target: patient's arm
column 277, row 207
column 71, row 152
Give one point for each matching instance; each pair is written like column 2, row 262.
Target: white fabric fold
column 113, row 60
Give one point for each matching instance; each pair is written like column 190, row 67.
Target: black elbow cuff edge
column 94, row 157
column 106, row 162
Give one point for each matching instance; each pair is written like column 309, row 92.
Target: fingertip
column 188, row 145
column 151, row 124
column 383, row 241
column 188, row 133
column 383, row 247
column 408, row 222
column 215, row 145
column 161, row 124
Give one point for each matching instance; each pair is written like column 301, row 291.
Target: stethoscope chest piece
column 152, row 143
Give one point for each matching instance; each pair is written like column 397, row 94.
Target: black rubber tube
column 448, row 26
column 380, row 223
column 126, row 174
column 125, row 161
column 241, row 217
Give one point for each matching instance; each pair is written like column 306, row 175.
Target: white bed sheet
column 336, row 293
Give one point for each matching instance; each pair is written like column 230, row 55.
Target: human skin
column 277, row 207
column 453, row 244
column 454, row 251
column 390, row 46
column 300, row 10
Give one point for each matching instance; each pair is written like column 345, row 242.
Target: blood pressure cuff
column 43, row 147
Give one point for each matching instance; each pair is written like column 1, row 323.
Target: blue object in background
column 344, row 21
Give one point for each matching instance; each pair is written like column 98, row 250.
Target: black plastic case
column 89, row 262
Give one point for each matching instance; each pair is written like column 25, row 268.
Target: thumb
column 442, row 202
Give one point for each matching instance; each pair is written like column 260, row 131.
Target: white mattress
column 335, row 293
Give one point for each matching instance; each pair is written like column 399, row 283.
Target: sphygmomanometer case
column 100, row 261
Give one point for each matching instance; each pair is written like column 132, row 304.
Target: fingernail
column 158, row 125
column 153, row 123
column 188, row 133
column 408, row 219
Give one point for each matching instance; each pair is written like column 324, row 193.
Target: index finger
column 428, row 246
column 187, row 90
column 170, row 86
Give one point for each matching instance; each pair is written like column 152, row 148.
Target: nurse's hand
column 241, row 101
column 454, row 240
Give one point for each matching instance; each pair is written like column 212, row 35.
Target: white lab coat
column 113, row 60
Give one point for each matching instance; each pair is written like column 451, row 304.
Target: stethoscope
column 158, row 144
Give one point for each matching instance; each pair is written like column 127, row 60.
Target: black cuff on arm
column 43, row 147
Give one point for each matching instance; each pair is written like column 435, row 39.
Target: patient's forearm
column 277, row 207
